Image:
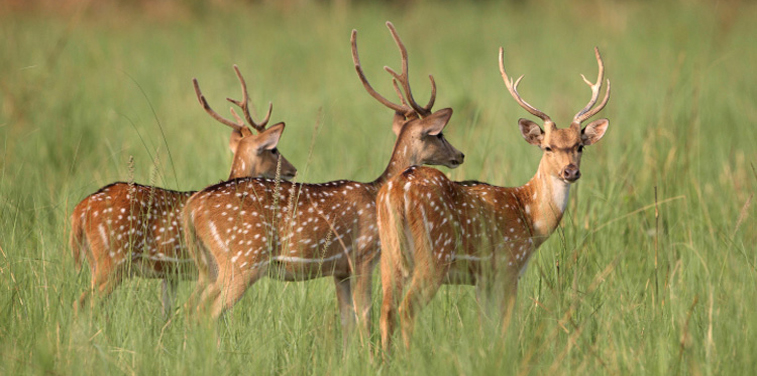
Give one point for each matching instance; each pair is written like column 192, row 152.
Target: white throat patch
column 560, row 191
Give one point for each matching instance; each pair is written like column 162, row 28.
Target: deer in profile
column 246, row 229
column 127, row 229
column 434, row 231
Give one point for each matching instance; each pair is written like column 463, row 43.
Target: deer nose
column 456, row 160
column 571, row 173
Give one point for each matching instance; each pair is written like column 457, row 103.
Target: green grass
column 614, row 291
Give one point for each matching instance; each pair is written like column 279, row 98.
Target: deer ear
column 236, row 136
column 435, row 123
column 397, row 123
column 531, row 131
column 594, row 131
column 270, row 137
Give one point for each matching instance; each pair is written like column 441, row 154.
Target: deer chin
column 288, row 176
column 452, row 164
column 570, row 180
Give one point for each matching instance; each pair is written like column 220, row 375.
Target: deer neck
column 241, row 166
column 237, row 171
column 544, row 199
column 402, row 158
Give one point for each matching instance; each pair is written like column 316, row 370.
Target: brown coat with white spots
column 249, row 228
column 245, row 229
column 435, row 231
column 127, row 229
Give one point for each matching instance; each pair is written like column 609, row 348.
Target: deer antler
column 513, row 88
column 356, row 59
column 243, row 104
column 408, row 106
column 404, row 80
column 204, row 102
column 587, row 111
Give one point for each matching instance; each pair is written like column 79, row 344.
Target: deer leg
column 194, row 298
column 233, row 286
column 101, row 293
column 205, row 292
column 86, row 295
column 362, row 298
column 346, row 308
column 489, row 301
column 168, row 287
column 423, row 286
column 392, row 285
column 193, row 303
column 206, row 295
column 508, row 302
column 207, row 273
column 104, row 280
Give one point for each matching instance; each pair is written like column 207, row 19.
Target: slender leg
column 207, row 274
column 102, row 286
column 206, row 295
column 169, row 287
column 192, row 303
column 346, row 308
column 508, row 302
column 362, row 297
column 234, row 284
column 423, row 286
column 392, row 285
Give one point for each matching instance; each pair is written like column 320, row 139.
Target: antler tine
column 513, row 88
column 359, row 69
column 244, row 104
column 431, row 100
column 399, row 92
column 587, row 111
column 411, row 113
column 201, row 98
column 235, row 115
column 405, row 81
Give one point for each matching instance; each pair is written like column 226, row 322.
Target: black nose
column 571, row 173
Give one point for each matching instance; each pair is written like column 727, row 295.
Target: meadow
column 651, row 272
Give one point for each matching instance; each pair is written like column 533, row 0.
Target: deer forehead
column 410, row 128
column 563, row 138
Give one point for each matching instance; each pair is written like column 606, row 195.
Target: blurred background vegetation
column 87, row 86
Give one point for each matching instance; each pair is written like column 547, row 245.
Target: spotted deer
column 127, row 229
column 434, row 231
column 246, row 229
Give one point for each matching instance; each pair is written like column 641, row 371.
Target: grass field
column 617, row 290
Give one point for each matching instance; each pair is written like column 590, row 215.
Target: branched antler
column 243, row 104
column 587, row 111
column 409, row 107
column 513, row 88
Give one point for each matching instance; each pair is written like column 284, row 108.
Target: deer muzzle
column 456, row 161
column 570, row 173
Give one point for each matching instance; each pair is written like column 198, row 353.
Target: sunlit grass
column 617, row 290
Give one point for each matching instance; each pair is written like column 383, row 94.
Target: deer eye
column 440, row 136
column 275, row 151
column 547, row 148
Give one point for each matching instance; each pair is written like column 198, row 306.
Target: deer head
column 254, row 154
column 419, row 130
column 562, row 148
column 421, row 141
